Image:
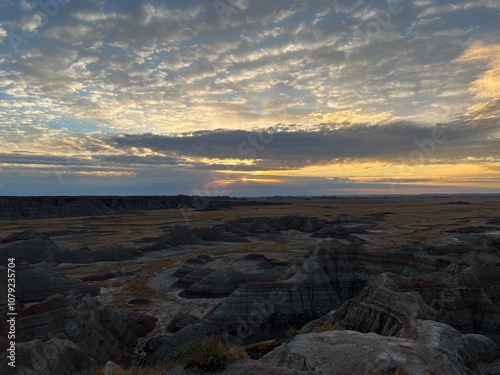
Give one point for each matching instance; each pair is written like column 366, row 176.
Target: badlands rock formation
column 40, row 207
column 36, row 283
column 390, row 293
column 29, row 246
column 32, row 247
column 435, row 348
column 200, row 281
column 85, row 332
column 242, row 230
column 55, row 356
column 432, row 309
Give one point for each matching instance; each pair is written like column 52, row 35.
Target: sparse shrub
column 325, row 328
column 207, row 353
column 291, row 332
column 237, row 353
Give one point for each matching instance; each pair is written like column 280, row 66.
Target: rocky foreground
column 430, row 309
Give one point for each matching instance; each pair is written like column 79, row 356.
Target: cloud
column 31, row 23
column 291, row 147
column 164, row 68
column 3, row 34
column 27, row 5
column 95, row 16
column 355, row 116
column 187, row 87
column 487, row 86
column 71, row 34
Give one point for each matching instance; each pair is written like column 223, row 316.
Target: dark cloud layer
column 288, row 148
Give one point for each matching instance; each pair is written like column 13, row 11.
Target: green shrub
column 207, row 353
column 291, row 332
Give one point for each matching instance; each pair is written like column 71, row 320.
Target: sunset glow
column 271, row 98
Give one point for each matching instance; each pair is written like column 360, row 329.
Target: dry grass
column 431, row 368
column 324, row 328
column 237, row 353
column 409, row 213
column 264, row 346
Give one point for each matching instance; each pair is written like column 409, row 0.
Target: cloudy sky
column 249, row 97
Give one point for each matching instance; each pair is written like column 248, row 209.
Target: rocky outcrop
column 36, row 283
column 111, row 275
column 40, row 207
column 25, row 235
column 269, row 225
column 436, row 348
column 179, row 235
column 32, row 247
column 218, row 235
column 239, row 230
column 466, row 297
column 245, row 368
column 201, row 281
column 257, row 311
column 84, row 256
column 56, row 356
column 390, row 290
column 222, row 283
column 101, row 332
column 191, row 275
column 181, row 321
column 28, row 246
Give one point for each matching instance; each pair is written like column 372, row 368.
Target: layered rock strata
column 435, row 348
column 102, row 333
column 391, row 292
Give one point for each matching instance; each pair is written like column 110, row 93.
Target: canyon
column 367, row 284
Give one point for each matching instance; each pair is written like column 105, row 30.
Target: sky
column 249, row 97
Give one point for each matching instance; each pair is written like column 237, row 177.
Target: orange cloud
column 487, row 86
column 249, row 179
column 354, row 116
column 105, row 173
